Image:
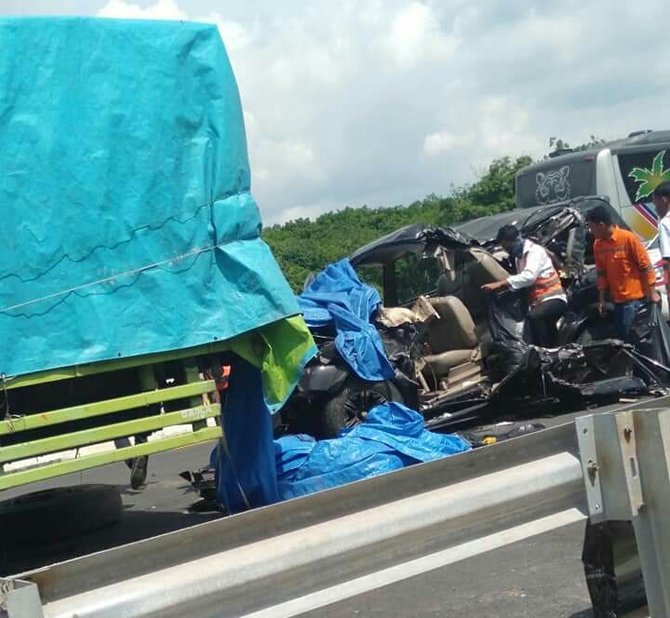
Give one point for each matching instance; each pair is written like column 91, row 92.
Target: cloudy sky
column 379, row 103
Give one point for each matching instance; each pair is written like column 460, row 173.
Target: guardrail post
column 626, row 468
column 19, row 599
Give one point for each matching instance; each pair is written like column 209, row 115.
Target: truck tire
column 350, row 406
column 60, row 513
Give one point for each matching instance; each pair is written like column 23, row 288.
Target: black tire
column 350, row 406
column 63, row 512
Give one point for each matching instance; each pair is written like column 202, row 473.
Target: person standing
column 546, row 298
column 661, row 198
column 623, row 267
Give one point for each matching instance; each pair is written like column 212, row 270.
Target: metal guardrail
column 626, row 469
column 307, row 553
column 303, row 554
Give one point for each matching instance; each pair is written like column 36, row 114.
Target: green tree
column 496, row 187
column 305, row 246
column 493, row 192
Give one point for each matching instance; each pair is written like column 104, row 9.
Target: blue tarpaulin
column 337, row 297
column 128, row 223
column 244, row 460
column 392, row 437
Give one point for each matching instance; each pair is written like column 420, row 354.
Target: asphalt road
column 541, row 577
column 162, row 506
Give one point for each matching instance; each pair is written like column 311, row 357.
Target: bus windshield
column 556, row 180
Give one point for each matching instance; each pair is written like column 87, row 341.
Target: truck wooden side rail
column 164, row 398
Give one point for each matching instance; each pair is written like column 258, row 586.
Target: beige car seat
column 480, row 268
column 452, row 338
column 485, row 269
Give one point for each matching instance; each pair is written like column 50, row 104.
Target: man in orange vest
column 624, row 269
column 535, row 271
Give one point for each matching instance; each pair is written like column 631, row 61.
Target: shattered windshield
column 415, row 275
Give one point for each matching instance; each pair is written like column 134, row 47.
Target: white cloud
column 415, row 37
column 382, row 102
column 295, row 159
column 444, row 141
column 504, row 128
column 235, row 36
column 163, row 9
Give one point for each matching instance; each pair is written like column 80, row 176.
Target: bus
column 625, row 170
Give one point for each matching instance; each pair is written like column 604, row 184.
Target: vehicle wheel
column 351, row 405
column 59, row 513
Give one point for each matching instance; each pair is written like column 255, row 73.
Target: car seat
column 478, row 268
column 453, row 339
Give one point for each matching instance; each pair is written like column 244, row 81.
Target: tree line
column 304, row 246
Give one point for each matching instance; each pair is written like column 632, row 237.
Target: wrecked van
column 454, row 349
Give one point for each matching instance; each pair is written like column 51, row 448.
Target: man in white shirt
column 536, row 273
column 661, row 197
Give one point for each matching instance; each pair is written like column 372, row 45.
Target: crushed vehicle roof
column 485, row 229
column 413, row 238
column 408, row 239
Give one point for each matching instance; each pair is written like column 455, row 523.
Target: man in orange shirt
column 623, row 268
